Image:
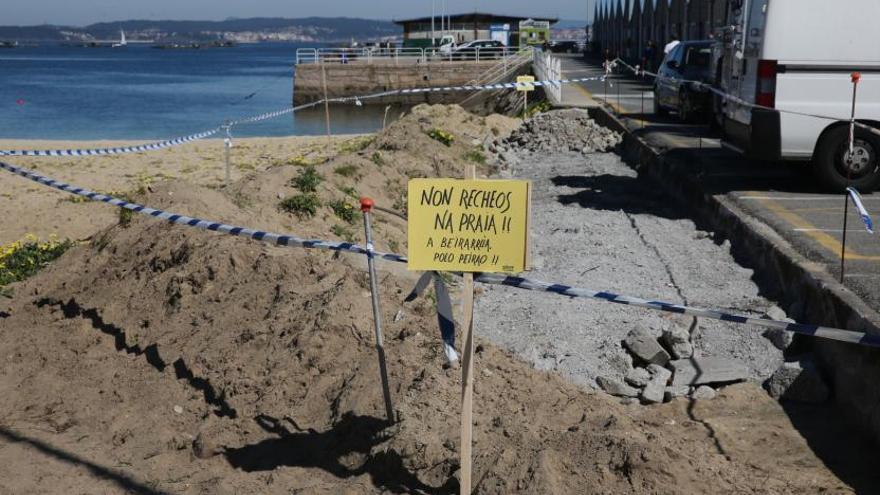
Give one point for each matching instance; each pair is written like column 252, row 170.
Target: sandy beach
column 31, row 208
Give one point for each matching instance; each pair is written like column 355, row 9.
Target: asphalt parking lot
column 781, row 195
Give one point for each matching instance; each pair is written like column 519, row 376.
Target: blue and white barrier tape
column 729, row 97
column 272, row 238
column 113, row 151
column 565, row 290
column 494, row 279
column 863, row 212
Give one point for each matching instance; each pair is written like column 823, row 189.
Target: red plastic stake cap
column 366, row 205
column 856, row 77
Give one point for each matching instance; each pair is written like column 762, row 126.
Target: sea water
column 137, row 92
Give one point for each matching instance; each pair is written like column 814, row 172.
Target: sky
column 83, row 12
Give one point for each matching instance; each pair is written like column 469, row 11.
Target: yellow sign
column 524, row 83
column 468, row 225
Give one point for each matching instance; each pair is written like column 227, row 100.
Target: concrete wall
column 362, row 79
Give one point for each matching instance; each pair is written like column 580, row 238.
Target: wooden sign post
column 469, row 226
column 524, row 84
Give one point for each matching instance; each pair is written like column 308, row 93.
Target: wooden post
column 467, row 370
column 326, row 101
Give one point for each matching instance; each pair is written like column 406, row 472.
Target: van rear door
column 746, row 59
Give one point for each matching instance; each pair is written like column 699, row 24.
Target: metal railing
column 401, row 56
column 549, row 68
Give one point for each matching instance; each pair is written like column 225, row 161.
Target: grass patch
column 21, row 259
column 441, row 136
column 350, row 192
column 356, row 144
column 298, row 161
column 303, row 205
column 345, row 211
column 475, row 156
column 344, row 233
column 308, row 180
column 536, row 108
column 377, row 159
column 346, row 170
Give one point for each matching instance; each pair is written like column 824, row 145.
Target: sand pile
column 158, row 359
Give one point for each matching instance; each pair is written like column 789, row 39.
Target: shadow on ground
column 846, row 451
column 343, row 451
column 127, row 483
column 617, row 193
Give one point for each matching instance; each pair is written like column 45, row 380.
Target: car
column 565, row 47
column 788, row 60
column 674, row 89
column 479, row 50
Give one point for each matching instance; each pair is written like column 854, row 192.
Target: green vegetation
column 536, row 108
column 308, row 180
column 346, row 170
column 303, row 205
column 350, row 192
column 441, row 136
column 475, row 156
column 21, row 259
column 377, row 159
column 356, row 144
column 345, row 211
column 343, row 233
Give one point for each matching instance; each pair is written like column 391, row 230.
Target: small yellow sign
column 468, row 225
column 524, row 83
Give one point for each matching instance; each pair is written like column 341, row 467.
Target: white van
column 798, row 55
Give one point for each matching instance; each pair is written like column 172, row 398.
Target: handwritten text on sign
column 468, row 225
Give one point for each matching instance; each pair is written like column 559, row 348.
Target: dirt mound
column 561, row 130
column 159, row 359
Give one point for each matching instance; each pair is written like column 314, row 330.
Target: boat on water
column 8, row 44
column 122, row 43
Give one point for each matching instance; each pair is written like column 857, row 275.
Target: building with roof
column 419, row 31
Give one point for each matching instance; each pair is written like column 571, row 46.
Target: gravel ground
column 597, row 225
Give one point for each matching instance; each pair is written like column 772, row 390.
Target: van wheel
column 837, row 170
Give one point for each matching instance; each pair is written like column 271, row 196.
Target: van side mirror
column 672, row 64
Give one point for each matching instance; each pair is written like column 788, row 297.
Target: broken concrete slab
column 781, row 339
column 655, row 390
column 707, row 370
column 677, row 341
column 644, row 346
column 798, row 381
column 616, row 387
column 704, row 392
column 675, row 392
column 775, row 313
column 638, row 377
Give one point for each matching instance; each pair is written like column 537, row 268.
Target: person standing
column 671, row 45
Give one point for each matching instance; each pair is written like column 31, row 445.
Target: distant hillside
column 316, row 29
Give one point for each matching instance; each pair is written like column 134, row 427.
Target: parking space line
column 821, row 237
column 804, row 198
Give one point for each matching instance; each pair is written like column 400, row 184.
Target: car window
column 698, row 56
column 675, row 55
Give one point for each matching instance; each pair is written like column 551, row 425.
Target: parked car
column 798, row 55
column 565, row 47
column 479, row 50
column 688, row 61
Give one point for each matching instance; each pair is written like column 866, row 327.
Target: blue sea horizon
column 58, row 92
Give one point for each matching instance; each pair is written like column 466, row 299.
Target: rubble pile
column 668, row 365
column 560, row 130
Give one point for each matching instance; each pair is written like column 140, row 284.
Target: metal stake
column 227, row 145
column 855, row 77
column 326, row 100
column 367, row 208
